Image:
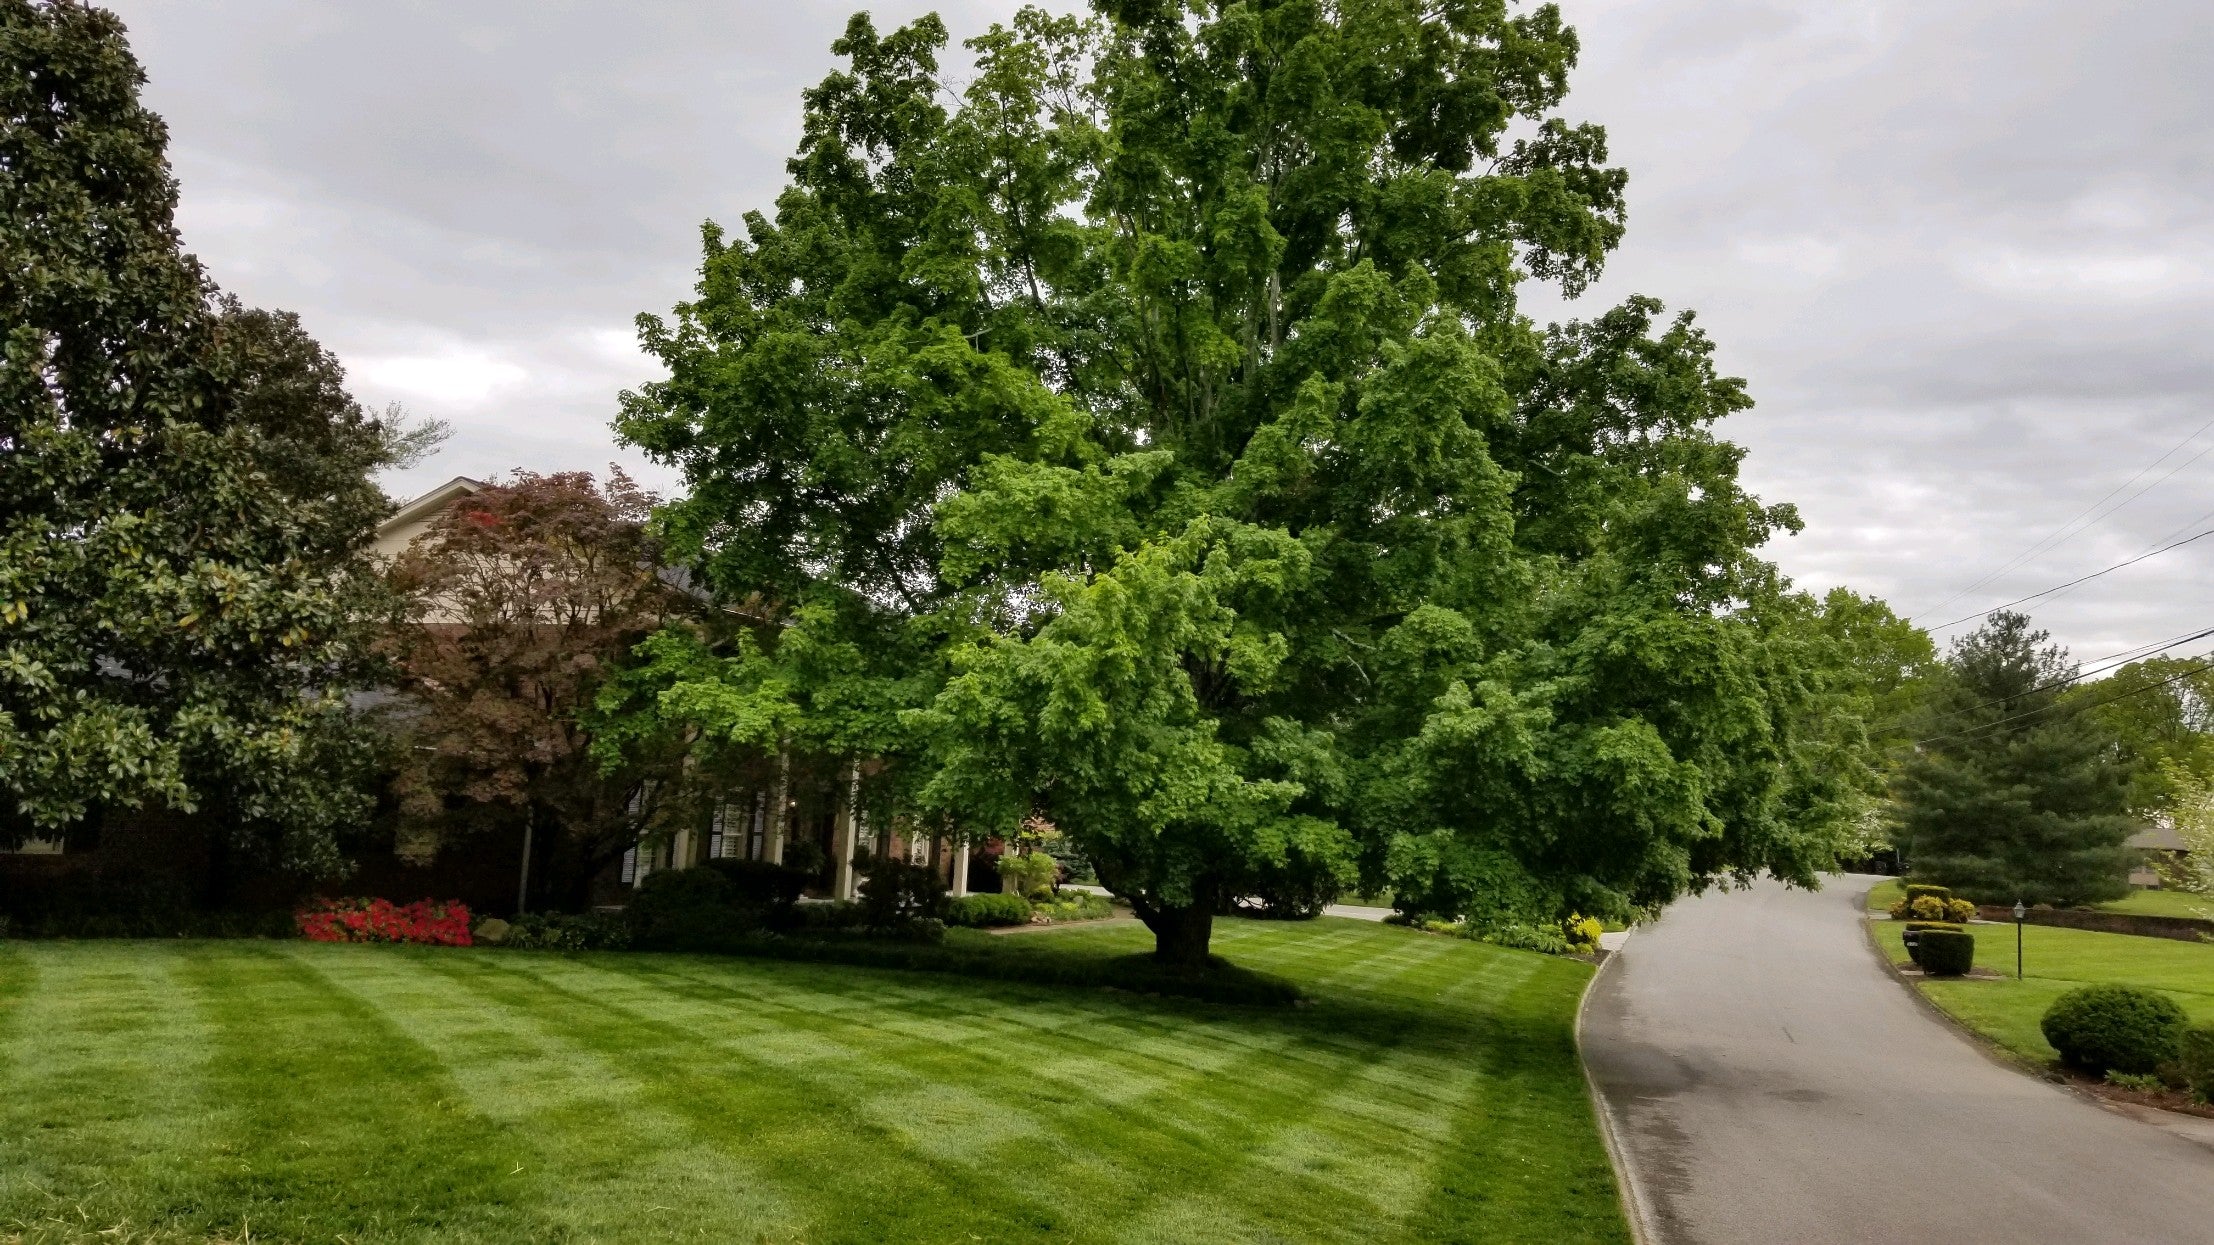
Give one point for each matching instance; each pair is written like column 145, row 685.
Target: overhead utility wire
column 2055, row 538
column 2073, row 708
column 2098, row 666
column 2080, row 579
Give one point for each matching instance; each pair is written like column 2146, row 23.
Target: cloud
column 1963, row 253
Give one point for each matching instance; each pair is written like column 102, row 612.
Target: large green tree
column 1147, row 438
column 2012, row 792
column 2161, row 709
column 184, row 488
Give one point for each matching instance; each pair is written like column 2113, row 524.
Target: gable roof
column 430, row 503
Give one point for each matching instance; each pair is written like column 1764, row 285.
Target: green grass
column 2054, row 962
column 2162, row 903
column 1885, row 894
column 294, row 1092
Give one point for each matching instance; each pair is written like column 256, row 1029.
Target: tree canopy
column 184, row 488
column 1146, row 437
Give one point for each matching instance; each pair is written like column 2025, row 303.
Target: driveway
column 1768, row 1081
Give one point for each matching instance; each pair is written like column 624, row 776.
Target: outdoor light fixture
column 2019, row 913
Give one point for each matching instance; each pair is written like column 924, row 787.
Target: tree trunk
column 1180, row 934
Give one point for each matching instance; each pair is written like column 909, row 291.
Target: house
column 790, row 806
column 2160, row 843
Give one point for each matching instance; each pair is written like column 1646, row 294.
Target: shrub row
column 985, row 911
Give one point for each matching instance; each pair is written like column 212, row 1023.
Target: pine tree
column 2012, row 794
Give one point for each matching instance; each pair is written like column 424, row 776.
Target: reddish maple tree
column 520, row 600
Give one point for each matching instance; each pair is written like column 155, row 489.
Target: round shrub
column 2114, row 1028
column 1945, row 952
column 985, row 911
column 1927, row 908
column 1959, row 911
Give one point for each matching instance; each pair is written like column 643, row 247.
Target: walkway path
column 1767, row 1080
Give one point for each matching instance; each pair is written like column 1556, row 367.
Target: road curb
column 1627, row 1189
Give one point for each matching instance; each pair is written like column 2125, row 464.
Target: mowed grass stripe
column 103, row 1077
column 606, row 1161
column 807, row 1134
column 889, row 1068
column 339, row 1120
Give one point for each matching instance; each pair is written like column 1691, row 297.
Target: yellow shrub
column 1582, row 932
column 1959, row 910
column 1928, row 908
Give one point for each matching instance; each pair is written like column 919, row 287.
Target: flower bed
column 442, row 923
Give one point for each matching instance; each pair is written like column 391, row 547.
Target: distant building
column 2159, row 842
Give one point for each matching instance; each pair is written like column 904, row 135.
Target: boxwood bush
column 2114, row 1028
column 1946, row 952
column 984, row 911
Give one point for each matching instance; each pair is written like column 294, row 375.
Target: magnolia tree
column 185, row 492
column 1147, row 438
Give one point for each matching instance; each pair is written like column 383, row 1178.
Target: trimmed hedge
column 2111, row 1028
column 985, row 911
column 1916, row 890
column 1946, row 952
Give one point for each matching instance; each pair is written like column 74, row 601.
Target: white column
column 780, row 805
column 960, row 867
column 848, row 828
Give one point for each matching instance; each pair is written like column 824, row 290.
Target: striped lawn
column 302, row 1092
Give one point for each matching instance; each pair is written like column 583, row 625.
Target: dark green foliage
column 1945, row 952
column 184, row 490
column 688, row 910
column 1916, row 890
column 590, row 931
column 981, row 911
column 763, row 884
column 2195, row 1060
column 2012, row 794
column 2118, row 1028
column 1298, row 887
column 894, row 894
column 125, row 901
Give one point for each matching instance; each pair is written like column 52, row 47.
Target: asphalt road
column 1767, row 1081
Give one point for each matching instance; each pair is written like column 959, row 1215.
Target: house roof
column 2160, row 836
column 430, row 503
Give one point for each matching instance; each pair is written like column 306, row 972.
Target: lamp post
column 2019, row 913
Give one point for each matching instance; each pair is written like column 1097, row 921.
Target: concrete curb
column 1627, row 1189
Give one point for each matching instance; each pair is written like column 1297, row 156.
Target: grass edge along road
column 201, row 1090
column 2055, row 961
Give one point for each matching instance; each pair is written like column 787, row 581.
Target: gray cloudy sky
column 1962, row 251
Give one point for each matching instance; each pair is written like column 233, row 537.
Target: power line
column 2080, row 579
column 2055, row 538
column 2097, row 666
column 2076, row 708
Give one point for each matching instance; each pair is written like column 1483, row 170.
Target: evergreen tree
column 2012, row 794
column 184, row 491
